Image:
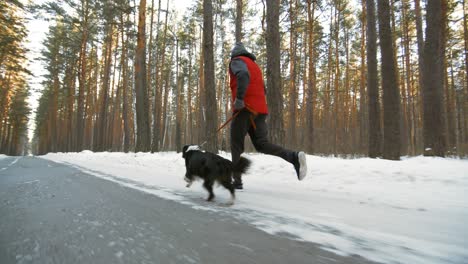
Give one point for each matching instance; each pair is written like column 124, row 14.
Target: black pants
column 240, row 126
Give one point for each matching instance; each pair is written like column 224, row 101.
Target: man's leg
column 239, row 127
column 259, row 136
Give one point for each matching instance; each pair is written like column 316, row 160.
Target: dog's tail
column 242, row 165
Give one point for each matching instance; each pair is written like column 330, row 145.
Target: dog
column 211, row 168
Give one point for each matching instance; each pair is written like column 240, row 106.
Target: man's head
column 240, row 50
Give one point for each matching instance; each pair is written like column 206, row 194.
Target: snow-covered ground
column 409, row 211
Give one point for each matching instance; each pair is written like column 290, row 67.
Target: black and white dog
column 211, row 167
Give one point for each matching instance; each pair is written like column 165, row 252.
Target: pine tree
column 391, row 96
column 143, row 130
column 209, row 75
column 433, row 76
column 372, row 83
column 273, row 73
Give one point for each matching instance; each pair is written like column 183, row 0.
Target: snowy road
column 53, row 213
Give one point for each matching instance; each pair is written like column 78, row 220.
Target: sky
column 36, row 33
column 38, row 29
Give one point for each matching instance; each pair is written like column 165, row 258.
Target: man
column 249, row 103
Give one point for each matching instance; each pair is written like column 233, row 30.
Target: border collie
column 211, row 167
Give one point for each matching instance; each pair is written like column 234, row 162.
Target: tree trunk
column 125, row 101
column 70, row 107
column 102, row 132
column 292, row 136
column 406, row 79
column 150, row 64
column 239, row 5
column 143, row 130
column 391, row 95
column 433, row 105
column 273, row 73
column 450, row 107
column 465, row 101
column 157, row 105
column 80, row 114
column 336, row 85
column 310, row 104
column 417, row 108
column 363, row 117
column 209, row 75
column 190, row 131
column 372, row 83
column 178, row 103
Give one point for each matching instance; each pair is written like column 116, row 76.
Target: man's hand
column 238, row 104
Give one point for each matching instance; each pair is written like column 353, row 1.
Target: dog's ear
column 184, row 149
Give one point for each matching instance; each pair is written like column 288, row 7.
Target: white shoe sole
column 302, row 165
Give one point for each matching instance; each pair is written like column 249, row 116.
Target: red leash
column 230, row 119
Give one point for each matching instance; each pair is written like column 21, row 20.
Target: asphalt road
column 53, row 213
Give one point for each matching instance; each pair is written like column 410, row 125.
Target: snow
column 409, row 211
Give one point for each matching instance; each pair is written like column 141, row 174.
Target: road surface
column 53, row 213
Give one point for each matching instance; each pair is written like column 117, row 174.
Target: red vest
column 255, row 95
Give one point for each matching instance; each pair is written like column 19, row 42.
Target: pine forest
column 350, row 78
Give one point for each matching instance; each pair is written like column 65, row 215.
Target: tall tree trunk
column 201, row 99
column 433, row 118
column 165, row 107
column 336, row 85
column 90, row 102
column 178, row 103
column 310, row 105
column 363, row 117
column 157, row 104
column 273, row 73
column 53, row 131
column 70, row 107
column 80, row 114
column 391, row 95
column 209, row 76
column 372, row 83
column 327, row 112
column 450, row 105
column 239, row 16
column 113, row 111
column 417, row 108
column 150, row 64
column 465, row 104
column 190, row 131
column 406, row 79
column 125, row 101
column 292, row 136
column 102, row 132
column 347, row 139
column 143, row 130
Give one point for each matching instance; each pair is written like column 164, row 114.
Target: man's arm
column 239, row 68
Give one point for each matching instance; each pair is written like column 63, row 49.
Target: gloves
column 238, row 104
